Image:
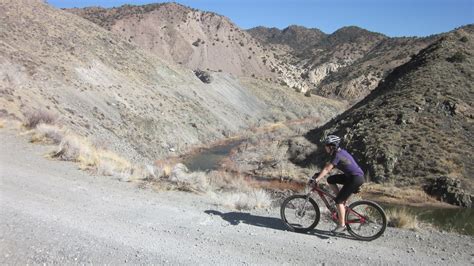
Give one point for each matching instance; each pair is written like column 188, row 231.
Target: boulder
column 204, row 76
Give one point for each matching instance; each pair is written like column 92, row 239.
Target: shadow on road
column 235, row 218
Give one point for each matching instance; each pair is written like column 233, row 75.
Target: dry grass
column 389, row 193
column 44, row 133
column 226, row 189
column 103, row 162
column 401, row 218
column 229, row 190
column 226, row 181
column 35, row 117
column 235, row 192
column 189, row 181
column 9, row 123
column 256, row 198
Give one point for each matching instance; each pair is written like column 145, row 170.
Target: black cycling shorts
column 351, row 184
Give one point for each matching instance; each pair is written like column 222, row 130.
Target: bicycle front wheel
column 300, row 213
column 366, row 220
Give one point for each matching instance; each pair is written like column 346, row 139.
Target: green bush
column 464, row 39
column 458, row 57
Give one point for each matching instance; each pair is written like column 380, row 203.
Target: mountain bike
column 365, row 220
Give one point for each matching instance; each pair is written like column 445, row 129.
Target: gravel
column 54, row 213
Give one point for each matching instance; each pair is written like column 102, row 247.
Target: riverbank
column 407, row 207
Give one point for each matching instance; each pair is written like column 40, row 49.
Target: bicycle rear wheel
column 366, row 220
column 300, row 213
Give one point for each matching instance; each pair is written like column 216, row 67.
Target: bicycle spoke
column 299, row 213
column 366, row 220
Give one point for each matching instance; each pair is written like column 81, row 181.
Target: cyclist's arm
column 324, row 172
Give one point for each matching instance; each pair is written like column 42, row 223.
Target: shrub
column 11, row 123
column 225, row 188
column 401, row 218
column 224, row 181
column 47, row 133
column 256, row 198
column 184, row 180
column 109, row 163
column 33, row 118
column 458, row 57
column 464, row 39
column 197, row 42
column 72, row 147
column 103, row 162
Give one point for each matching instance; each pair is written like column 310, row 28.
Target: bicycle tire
column 375, row 225
column 285, row 212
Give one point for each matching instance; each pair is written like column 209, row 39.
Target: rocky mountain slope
column 120, row 95
column 196, row 39
column 347, row 64
column 294, row 36
column 417, row 125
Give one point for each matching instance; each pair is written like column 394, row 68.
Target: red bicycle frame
column 334, row 214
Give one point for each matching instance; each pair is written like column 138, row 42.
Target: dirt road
column 51, row 212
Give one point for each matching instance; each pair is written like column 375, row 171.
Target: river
column 210, row 158
column 460, row 220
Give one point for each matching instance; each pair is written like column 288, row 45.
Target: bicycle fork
column 301, row 211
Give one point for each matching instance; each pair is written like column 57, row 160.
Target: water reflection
column 460, row 220
column 209, row 159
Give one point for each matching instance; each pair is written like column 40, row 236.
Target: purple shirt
column 345, row 162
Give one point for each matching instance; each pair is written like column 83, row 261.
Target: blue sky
column 390, row 17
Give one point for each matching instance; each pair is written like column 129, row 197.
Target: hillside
column 417, row 125
column 356, row 80
column 346, row 64
column 176, row 33
column 121, row 96
column 296, row 37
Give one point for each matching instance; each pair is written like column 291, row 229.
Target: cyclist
column 351, row 180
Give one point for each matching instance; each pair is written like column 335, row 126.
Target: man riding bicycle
column 351, row 180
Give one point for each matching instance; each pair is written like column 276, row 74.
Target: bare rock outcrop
column 204, row 76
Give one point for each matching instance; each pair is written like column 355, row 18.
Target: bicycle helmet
column 332, row 140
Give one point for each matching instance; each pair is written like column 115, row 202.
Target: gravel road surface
column 51, row 212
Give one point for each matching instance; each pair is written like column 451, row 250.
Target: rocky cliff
column 346, row 64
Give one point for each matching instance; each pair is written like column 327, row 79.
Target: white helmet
column 332, row 140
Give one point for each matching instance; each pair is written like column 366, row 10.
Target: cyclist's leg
column 344, row 194
column 350, row 187
column 336, row 179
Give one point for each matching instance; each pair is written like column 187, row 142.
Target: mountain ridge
column 424, row 112
column 194, row 38
column 306, row 60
